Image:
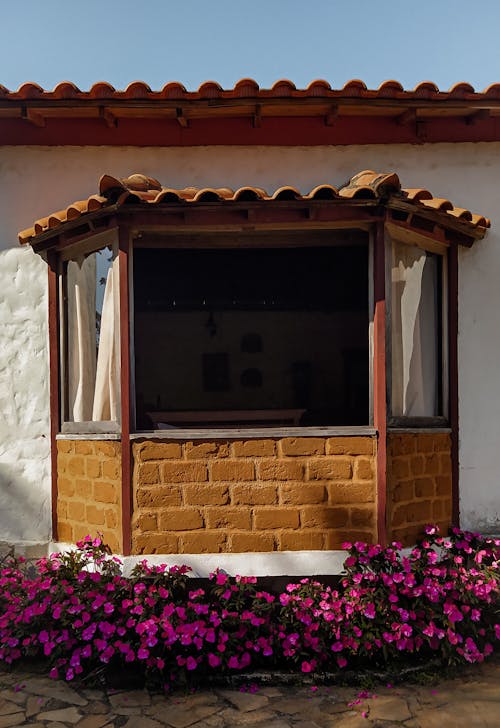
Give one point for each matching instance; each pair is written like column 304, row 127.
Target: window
column 90, row 342
column 417, row 371
column 257, row 335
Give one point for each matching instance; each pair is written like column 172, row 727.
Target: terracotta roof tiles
column 141, row 189
column 248, row 87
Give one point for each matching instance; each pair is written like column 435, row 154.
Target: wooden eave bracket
column 181, row 119
column 257, row 117
column 108, row 117
column 34, row 117
column 407, row 117
column 332, row 116
column 481, row 115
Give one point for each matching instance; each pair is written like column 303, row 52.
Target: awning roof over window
column 368, row 186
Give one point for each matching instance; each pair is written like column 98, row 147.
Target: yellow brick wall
column 252, row 495
column 89, row 491
column 418, row 484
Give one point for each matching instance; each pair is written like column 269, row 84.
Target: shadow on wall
column 25, row 509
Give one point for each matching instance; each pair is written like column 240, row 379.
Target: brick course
column 89, row 491
column 268, row 494
column 418, row 484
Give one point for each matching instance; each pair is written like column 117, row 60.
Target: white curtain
column 106, row 391
column 93, row 371
column 414, row 312
column 81, row 328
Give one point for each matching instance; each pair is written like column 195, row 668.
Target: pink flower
column 308, row 666
column 370, row 611
column 191, row 663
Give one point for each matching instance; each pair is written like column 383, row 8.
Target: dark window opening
column 253, row 336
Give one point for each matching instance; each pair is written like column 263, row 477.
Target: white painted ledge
column 282, row 563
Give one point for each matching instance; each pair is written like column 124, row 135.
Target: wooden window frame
column 441, row 421
column 93, row 244
column 205, row 239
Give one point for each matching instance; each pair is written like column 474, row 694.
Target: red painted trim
column 453, row 379
column 53, row 379
column 380, row 378
column 275, row 130
column 123, row 254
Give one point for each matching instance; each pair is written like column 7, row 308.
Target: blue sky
column 191, row 41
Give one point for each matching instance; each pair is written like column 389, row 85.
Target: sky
column 192, row 41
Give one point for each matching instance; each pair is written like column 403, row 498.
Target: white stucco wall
column 35, row 181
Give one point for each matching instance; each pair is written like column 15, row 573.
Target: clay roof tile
column 138, row 188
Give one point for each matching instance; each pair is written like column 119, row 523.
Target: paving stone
column 276, row 723
column 142, row 722
column 91, row 694
column 306, row 724
column 34, row 705
column 202, row 698
column 355, row 720
column 7, row 707
column 18, row 697
column 130, row 698
column 332, row 708
column 56, row 725
column 33, row 725
column 182, row 716
column 54, row 689
column 233, row 717
column 388, row 708
column 291, row 706
column 133, row 710
column 244, row 701
column 13, row 719
column 65, row 715
column 462, row 714
column 94, row 721
column 271, row 692
column 214, row 721
column 97, row 707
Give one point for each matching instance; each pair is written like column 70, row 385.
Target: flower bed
column 80, row 613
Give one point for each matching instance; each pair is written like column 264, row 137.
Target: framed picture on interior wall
column 215, row 371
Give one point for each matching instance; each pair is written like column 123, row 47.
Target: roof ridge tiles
column 248, row 87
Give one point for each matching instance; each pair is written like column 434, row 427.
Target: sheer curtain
column 106, row 391
column 93, row 338
column 414, row 313
column 81, row 328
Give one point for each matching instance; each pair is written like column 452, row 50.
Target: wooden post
column 380, row 378
column 54, row 366
column 453, row 381
column 123, row 254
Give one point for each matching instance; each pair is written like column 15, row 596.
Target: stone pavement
column 472, row 700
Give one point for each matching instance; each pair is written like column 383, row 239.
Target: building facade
column 274, row 420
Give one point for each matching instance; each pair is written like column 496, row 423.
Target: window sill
column 88, row 436
column 232, row 433
column 419, row 430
